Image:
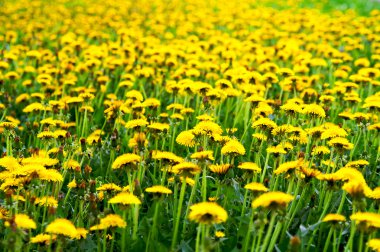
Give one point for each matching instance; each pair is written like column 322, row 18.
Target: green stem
column 205, row 237
column 269, row 232
column 123, row 236
column 248, row 233
column 179, row 210
column 104, row 240
column 350, row 242
column 193, row 189
column 204, row 183
column 198, row 238
column 135, row 221
column 256, row 246
column 265, row 168
column 335, row 248
column 361, row 238
column 326, row 247
column 275, row 236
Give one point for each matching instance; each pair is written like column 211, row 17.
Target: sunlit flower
column 314, row 110
column 110, row 221
column 220, row 168
column 167, row 156
column 125, row 198
column 207, row 128
column 340, row 143
column 287, row 166
column 207, row 213
column 158, row 189
column 233, row 147
column 72, row 165
column 272, row 200
column 256, row 187
column 186, row 168
column 374, row 244
column 109, row 187
column 249, row 166
column 43, row 238
column 46, row 201
column 186, row 138
column 23, row 221
column 276, row 150
column 125, row 160
column 203, row 155
column 62, row 227
column 81, row 233
column 334, row 218
column 264, row 123
column 219, row 234
column 367, row 219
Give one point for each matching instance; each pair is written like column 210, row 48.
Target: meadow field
column 178, row 125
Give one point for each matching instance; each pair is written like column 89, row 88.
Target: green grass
column 362, row 7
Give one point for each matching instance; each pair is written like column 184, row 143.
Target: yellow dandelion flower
column 62, row 227
column 23, row 221
column 8, row 125
column 260, row 137
column 43, row 238
column 219, row 234
column 207, row 213
column 289, row 166
column 264, row 123
column 256, row 187
column 291, row 108
column 357, row 164
column 334, row 218
column 356, row 188
column 272, row 200
column 125, row 159
column 333, row 132
column 125, row 198
column 46, row 201
column 166, row 156
column 367, row 219
column 137, row 123
column 46, row 135
column 203, row 155
column 159, row 127
column 220, row 168
column 340, row 143
column 314, row 110
column 110, row 221
column 44, row 161
column 50, row 175
column 72, row 184
column 71, row 164
column 320, row 150
column 207, row 128
column 9, row 163
column 276, row 150
column 81, row 233
column 187, row 168
column 233, row 147
column 249, row 166
column 186, row 138
column 374, row 244
column 35, row 107
column 158, row 189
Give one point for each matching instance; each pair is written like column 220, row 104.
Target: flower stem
column 326, row 247
column 179, row 210
column 269, row 232
column 198, row 238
